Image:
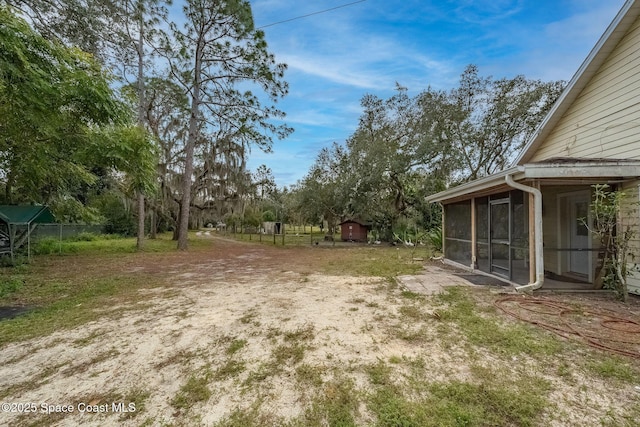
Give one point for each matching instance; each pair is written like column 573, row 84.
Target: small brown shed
column 354, row 230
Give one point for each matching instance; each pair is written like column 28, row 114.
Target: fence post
column 60, row 239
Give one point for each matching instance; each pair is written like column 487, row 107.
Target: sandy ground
column 186, row 329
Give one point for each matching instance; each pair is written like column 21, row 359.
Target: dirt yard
column 247, row 335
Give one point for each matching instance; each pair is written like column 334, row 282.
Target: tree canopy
column 54, row 100
column 70, row 137
column 406, row 148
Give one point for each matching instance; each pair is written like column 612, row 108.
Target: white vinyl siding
column 604, row 121
column 631, row 215
column 632, row 190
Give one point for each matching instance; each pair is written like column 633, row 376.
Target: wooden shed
column 354, row 230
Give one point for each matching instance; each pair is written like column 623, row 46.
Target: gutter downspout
column 537, row 206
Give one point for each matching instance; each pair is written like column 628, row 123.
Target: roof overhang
column 25, row 214
column 477, row 186
column 568, row 171
column 578, row 169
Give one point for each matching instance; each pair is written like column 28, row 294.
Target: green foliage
column 84, row 237
column 52, row 99
column 116, row 212
column 611, row 213
column 406, row 148
column 268, row 216
column 195, row 390
column 614, row 368
column 252, row 218
column 9, row 285
column 485, row 122
column 46, row 246
column 87, row 243
column 435, row 238
column 485, row 331
column 131, row 150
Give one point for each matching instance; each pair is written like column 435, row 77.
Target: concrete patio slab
column 434, row 279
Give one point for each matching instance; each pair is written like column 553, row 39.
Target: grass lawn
column 237, row 333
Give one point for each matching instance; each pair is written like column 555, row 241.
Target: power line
column 310, row 14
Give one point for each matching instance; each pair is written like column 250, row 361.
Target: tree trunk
column 185, row 203
column 153, row 226
column 140, row 240
column 141, row 120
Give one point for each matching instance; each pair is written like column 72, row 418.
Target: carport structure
column 17, row 223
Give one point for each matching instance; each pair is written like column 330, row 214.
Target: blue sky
column 336, row 57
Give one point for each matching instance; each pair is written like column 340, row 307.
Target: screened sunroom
column 490, row 234
column 528, row 225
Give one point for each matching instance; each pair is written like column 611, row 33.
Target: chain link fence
column 63, row 231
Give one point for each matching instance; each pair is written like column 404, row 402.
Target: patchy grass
column 231, row 368
column 366, row 261
column 481, row 327
column 413, row 312
column 336, row 404
column 489, row 398
column 614, row 368
column 309, row 376
column 67, row 304
column 194, row 391
column 181, row 357
column 250, row 417
column 288, row 354
column 72, row 290
column 88, row 243
column 412, row 295
column 302, row 333
column 10, row 284
column 235, row 346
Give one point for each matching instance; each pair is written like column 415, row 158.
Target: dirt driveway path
column 240, row 331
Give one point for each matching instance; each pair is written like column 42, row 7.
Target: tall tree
column 325, row 191
column 53, row 100
column 394, row 139
column 167, row 116
column 486, row 122
column 135, row 22
column 263, row 178
column 79, row 23
column 217, row 50
column 407, row 147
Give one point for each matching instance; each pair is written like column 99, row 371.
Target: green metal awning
column 24, row 215
column 20, row 222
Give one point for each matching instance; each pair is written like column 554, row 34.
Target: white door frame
column 564, row 231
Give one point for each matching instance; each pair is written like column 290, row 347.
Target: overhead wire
column 310, row 14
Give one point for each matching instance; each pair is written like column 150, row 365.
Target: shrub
column 46, row 246
column 435, row 238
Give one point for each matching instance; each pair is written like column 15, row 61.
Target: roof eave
column 474, row 186
column 596, row 169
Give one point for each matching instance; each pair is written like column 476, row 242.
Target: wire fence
column 64, row 231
